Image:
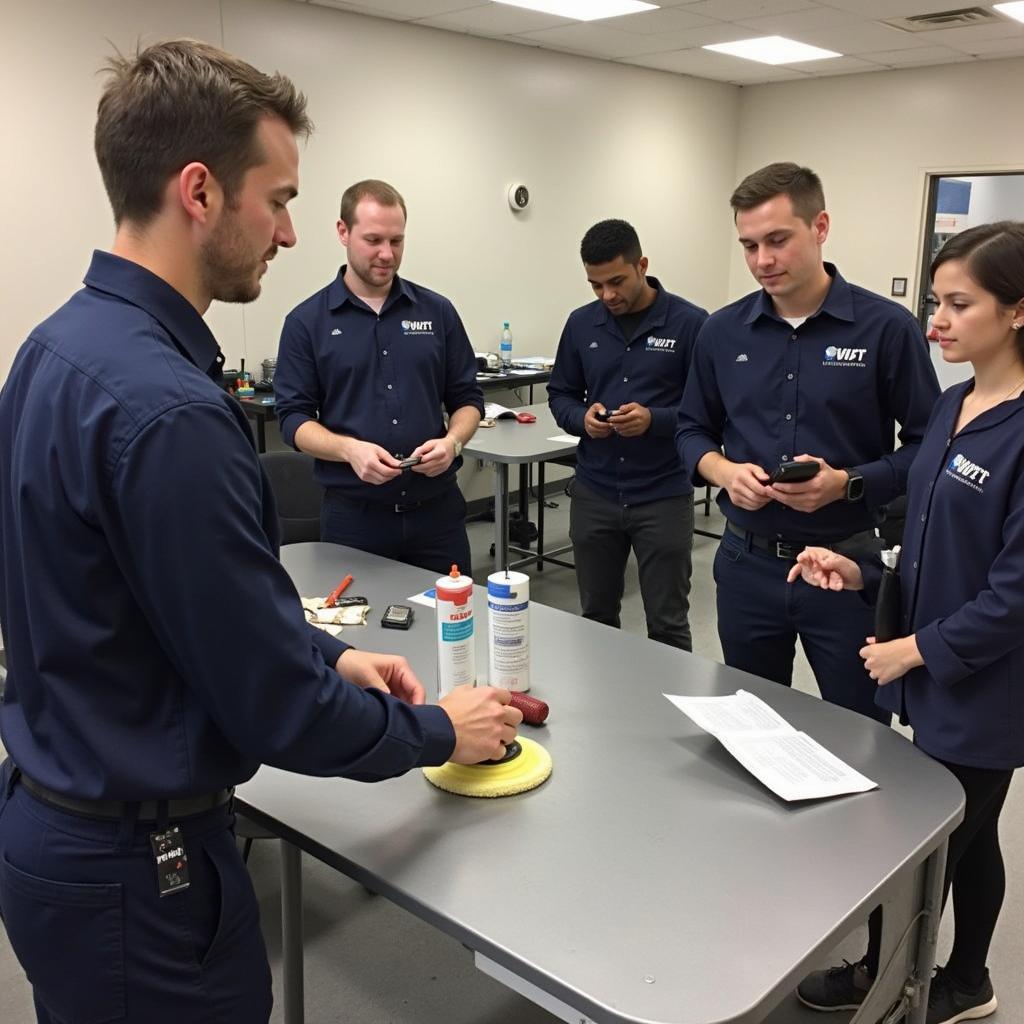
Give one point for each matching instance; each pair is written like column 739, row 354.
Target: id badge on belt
column 171, row 861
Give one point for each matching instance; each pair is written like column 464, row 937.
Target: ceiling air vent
column 965, row 17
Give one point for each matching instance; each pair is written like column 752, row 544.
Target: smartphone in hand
column 795, row 472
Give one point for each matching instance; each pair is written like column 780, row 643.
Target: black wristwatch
column 854, row 485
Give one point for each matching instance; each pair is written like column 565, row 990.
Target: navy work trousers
column 84, row 916
column 760, row 616
column 432, row 536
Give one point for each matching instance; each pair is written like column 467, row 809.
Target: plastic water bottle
column 506, row 347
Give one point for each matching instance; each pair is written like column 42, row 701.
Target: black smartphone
column 605, row 416
column 397, row 616
column 795, row 472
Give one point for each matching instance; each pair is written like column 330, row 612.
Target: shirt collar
column 141, row 287
column 838, row 300
column 655, row 311
column 338, row 292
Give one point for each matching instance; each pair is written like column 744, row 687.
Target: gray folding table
column 650, row 879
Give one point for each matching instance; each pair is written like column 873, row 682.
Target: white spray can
column 456, row 646
column 508, row 613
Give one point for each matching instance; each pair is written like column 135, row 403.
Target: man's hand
column 745, row 483
column 820, row 567
column 828, row 486
column 631, row 420
column 889, row 661
column 436, row 455
column 388, row 672
column 371, row 463
column 596, row 428
column 484, row 723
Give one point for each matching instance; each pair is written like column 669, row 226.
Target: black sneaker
column 949, row 1004
column 838, row 988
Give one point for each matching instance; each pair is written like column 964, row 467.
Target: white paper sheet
column 567, row 438
column 790, row 763
column 428, row 598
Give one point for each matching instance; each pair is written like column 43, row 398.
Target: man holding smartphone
column 810, row 369
column 617, row 381
column 364, row 368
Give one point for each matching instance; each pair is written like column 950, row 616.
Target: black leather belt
column 380, row 506
column 148, row 810
column 786, row 549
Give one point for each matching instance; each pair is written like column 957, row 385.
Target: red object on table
column 534, row 711
column 526, row 417
column 332, row 597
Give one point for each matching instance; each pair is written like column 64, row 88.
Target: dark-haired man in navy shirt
column 157, row 650
column 809, row 368
column 364, row 368
column 617, row 381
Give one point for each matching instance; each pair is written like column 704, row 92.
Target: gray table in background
column 511, row 443
column 650, row 879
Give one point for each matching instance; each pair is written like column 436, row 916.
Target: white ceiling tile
column 1012, row 47
column 735, row 10
column 705, row 64
column 836, row 66
column 593, row 39
column 799, row 24
column 666, row 19
column 917, row 56
column 402, row 10
column 965, row 38
column 495, row 20
column 862, row 38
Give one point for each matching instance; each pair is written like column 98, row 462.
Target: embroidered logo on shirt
column 337, row 330
column 593, row 344
column 963, row 471
column 742, row 358
column 418, row 326
column 844, row 356
column 660, row 344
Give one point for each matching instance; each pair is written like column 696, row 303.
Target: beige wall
column 874, row 139
column 451, row 120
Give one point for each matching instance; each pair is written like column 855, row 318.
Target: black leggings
column 974, row 868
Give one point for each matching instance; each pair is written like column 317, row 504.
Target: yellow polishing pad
column 517, row 775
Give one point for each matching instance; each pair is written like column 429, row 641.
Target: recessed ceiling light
column 773, row 50
column 1015, row 10
column 583, row 10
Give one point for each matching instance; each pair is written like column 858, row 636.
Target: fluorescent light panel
column 583, row 10
column 773, row 50
column 1015, row 10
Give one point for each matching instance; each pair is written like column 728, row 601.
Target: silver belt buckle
column 787, row 551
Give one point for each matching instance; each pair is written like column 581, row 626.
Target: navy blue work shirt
column 595, row 362
column 834, row 387
column 156, row 646
column 376, row 377
column 962, row 587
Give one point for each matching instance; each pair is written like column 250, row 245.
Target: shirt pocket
column 69, row 938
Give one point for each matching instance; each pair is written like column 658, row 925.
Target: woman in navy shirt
column 957, row 676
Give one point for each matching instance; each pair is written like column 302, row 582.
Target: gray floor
column 369, row 963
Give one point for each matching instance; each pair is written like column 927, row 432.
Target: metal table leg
column 928, row 933
column 291, row 933
column 500, row 516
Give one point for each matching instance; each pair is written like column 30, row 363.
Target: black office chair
column 298, row 495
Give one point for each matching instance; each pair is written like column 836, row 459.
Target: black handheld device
column 605, row 416
column 397, row 616
column 795, row 472
column 408, row 463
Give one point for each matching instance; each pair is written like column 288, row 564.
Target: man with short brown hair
column 808, row 369
column 157, row 650
column 364, row 368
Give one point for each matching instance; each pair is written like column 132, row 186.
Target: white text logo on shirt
column 660, row 344
column 336, row 331
column 593, row 344
column 844, row 356
column 742, row 358
column 963, row 471
column 418, row 326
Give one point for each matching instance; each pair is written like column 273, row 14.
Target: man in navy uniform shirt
column 617, row 381
column 809, row 368
column 363, row 370
column 157, row 650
